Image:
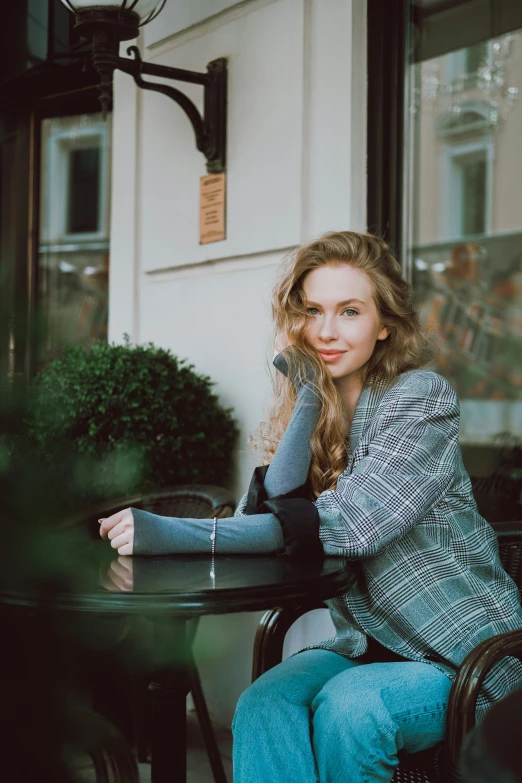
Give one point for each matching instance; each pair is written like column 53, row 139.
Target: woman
column 362, row 460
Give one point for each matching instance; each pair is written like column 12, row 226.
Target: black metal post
column 169, row 692
column 386, row 70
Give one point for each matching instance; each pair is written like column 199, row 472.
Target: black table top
column 184, row 585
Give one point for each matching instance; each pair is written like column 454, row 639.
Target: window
column 41, row 77
column 465, row 207
column 463, row 66
column 476, row 56
column 472, row 181
column 462, row 245
column 465, row 117
column 76, row 179
column 74, row 230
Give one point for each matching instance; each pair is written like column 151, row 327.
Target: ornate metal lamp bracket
column 209, row 129
column 107, row 27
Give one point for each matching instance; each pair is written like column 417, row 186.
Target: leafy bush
column 116, row 419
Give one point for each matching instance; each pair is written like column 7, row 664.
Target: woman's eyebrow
column 339, row 304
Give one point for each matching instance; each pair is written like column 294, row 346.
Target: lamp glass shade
column 143, row 8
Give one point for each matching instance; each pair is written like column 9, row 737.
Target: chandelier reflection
column 447, row 83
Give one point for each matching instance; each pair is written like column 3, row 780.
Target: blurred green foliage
column 116, row 419
column 38, row 560
column 93, row 425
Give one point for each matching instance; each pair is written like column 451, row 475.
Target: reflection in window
column 475, row 56
column 473, row 190
column 466, row 118
column 74, row 230
column 465, row 247
column 463, row 67
column 84, row 190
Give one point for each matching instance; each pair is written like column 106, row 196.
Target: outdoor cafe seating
column 110, row 750
column 437, row 765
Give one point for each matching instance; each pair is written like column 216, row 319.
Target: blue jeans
column 320, row 717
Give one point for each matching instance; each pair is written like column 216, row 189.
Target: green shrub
column 116, row 419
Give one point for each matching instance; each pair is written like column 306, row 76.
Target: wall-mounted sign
column 212, row 197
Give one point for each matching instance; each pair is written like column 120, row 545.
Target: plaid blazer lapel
column 368, row 402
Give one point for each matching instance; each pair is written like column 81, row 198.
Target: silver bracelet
column 213, row 539
column 213, row 536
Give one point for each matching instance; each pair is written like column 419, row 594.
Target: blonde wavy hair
column 407, row 346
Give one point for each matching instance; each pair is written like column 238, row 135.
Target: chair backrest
column 509, row 536
column 498, row 500
column 196, row 501
column 498, row 497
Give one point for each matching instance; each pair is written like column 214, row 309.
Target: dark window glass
column 84, row 191
column 33, row 35
column 476, row 56
column 37, row 24
column 474, row 197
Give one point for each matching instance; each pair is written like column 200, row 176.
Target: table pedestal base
column 169, row 691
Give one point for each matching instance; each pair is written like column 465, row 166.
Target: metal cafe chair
column 438, row 764
column 93, row 737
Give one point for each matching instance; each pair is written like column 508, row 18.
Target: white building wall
column 296, row 168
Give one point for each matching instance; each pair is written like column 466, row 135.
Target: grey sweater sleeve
column 253, row 534
column 291, row 462
column 247, row 534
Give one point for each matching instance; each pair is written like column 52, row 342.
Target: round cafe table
column 171, row 590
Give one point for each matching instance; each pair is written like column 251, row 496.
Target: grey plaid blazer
column 430, row 583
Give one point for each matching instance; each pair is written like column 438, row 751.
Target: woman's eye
column 315, row 310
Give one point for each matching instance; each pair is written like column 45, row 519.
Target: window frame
column 54, row 211
column 388, row 26
column 452, row 185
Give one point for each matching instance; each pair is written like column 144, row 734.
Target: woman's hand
column 280, row 344
column 292, row 364
column 119, row 529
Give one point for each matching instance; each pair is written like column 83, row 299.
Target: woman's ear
column 383, row 334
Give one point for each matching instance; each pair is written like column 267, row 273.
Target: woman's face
column 343, row 318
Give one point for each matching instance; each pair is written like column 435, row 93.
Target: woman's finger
column 281, row 342
column 115, row 531
column 126, row 549
column 109, row 523
column 123, row 538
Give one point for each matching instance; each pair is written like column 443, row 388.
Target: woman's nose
column 327, row 329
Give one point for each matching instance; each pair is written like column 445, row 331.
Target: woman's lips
column 330, row 357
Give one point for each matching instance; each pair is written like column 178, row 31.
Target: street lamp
column 108, row 22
